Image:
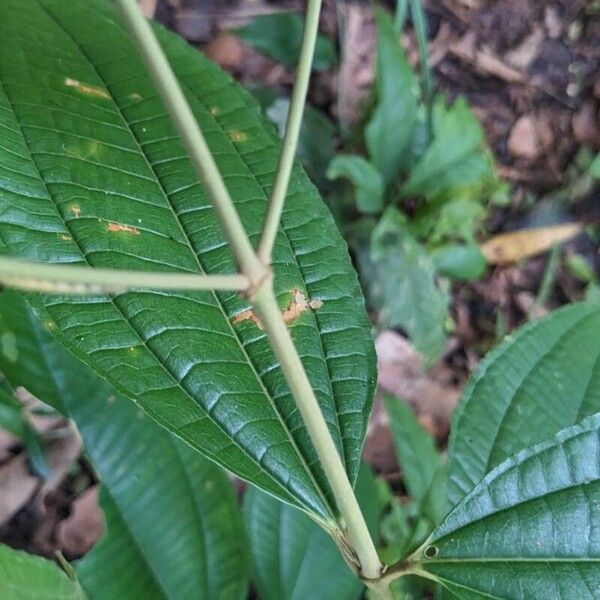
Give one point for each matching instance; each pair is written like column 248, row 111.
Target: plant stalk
column 80, row 280
column 292, row 132
column 265, row 306
column 185, row 122
column 257, row 272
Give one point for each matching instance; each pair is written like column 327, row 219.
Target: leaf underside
column 92, row 172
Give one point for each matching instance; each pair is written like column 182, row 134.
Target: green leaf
column 455, row 157
column 389, row 132
column 529, row 528
column 366, row 179
column 293, row 558
column 93, row 173
column 404, row 287
column 417, row 454
column 595, row 167
column 540, row 380
column 174, row 528
column 459, row 261
column 316, row 143
column 27, row 577
column 279, row 36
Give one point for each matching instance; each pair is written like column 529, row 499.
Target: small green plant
column 115, row 251
column 423, row 191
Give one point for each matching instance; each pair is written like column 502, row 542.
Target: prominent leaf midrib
column 282, row 229
column 517, row 559
column 290, row 198
column 157, row 180
column 526, row 376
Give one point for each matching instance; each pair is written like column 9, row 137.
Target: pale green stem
column 262, row 296
column 78, row 280
column 283, row 347
column 187, row 126
column 292, row 132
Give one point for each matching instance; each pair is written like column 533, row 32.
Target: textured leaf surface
column 174, row 529
column 27, row 577
column 293, row 558
column 529, row 529
column 538, row 381
column 389, row 132
column 92, row 172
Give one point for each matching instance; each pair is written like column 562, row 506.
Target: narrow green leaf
column 455, row 157
column 417, row 454
column 294, row 559
column 403, row 285
column 366, row 179
column 279, row 36
column 27, row 577
column 173, row 526
column 538, row 381
column 389, row 132
column 529, row 528
column 595, row 167
column 93, row 173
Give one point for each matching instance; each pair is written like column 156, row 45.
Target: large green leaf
column 529, row 529
column 390, row 131
column 92, row 172
column 27, row 577
column 538, row 381
column 174, row 529
column 294, row 559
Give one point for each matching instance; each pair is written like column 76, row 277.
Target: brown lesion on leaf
column 119, row 227
column 89, row 90
column 298, row 305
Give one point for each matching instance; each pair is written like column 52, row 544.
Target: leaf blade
column 542, row 379
column 122, row 194
column 172, row 516
column 512, row 536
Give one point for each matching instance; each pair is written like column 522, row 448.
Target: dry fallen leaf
column 512, row 247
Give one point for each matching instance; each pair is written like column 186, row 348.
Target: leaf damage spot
column 65, row 237
column 118, row 227
column 135, row 96
column 238, row 136
column 298, row 305
column 89, row 90
column 214, row 110
column 76, row 210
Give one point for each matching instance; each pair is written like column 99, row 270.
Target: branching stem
column 292, row 132
column 79, row 280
